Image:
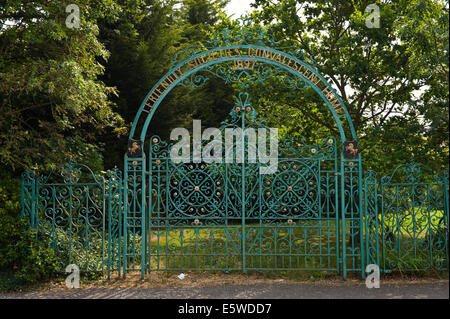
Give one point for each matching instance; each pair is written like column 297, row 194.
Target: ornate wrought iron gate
column 306, row 216
column 228, row 216
column 407, row 218
column 78, row 213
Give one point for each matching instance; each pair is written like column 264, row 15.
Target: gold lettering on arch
column 243, row 56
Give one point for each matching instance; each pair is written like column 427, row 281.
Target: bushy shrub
column 23, row 258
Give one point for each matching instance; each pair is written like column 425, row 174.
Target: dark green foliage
column 23, row 258
column 142, row 42
column 50, row 95
column 394, row 79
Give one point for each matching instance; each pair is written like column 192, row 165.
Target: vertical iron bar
column 361, row 220
column 143, row 219
column 109, row 227
column 125, row 216
column 243, row 199
column 344, row 257
column 383, row 243
column 150, row 207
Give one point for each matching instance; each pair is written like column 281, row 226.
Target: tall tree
column 143, row 42
column 425, row 28
column 51, row 102
column 373, row 69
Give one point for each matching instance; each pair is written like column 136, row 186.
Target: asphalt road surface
column 438, row 290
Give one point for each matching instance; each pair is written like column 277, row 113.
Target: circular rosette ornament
column 292, row 192
column 195, row 190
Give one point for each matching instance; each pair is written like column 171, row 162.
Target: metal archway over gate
column 227, row 216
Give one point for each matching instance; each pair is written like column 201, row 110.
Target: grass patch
column 307, row 245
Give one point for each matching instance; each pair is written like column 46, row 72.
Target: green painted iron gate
column 228, row 216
